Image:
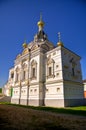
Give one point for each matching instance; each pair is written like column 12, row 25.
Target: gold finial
column 24, row 44
column 59, row 37
column 40, row 23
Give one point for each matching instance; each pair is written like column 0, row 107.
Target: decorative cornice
column 35, row 83
column 55, row 81
column 64, row 48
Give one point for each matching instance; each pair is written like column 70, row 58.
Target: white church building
column 44, row 75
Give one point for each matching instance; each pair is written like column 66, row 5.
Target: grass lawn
column 82, row 108
column 79, row 110
column 0, row 90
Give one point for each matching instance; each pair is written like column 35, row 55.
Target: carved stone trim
column 50, row 76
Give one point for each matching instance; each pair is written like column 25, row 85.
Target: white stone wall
column 34, row 92
column 24, row 92
column 16, row 92
column 73, row 91
column 55, row 54
column 67, row 57
column 54, row 91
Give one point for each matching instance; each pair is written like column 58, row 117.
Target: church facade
column 44, row 75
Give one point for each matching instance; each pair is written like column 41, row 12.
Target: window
column 31, row 90
column 17, row 77
column 17, row 74
column 57, row 74
column 12, row 75
column 73, row 73
column 24, row 74
column 58, row 89
column 73, row 67
column 50, row 68
column 33, row 74
column 47, row 90
column 33, row 70
column 57, row 66
column 35, row 90
column 50, row 72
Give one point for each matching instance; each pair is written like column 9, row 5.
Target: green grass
column 80, row 110
column 0, row 90
column 83, row 108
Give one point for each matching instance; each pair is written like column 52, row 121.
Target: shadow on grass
column 70, row 110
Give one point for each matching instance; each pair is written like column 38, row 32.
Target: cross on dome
column 59, row 38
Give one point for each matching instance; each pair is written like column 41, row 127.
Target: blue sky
column 18, row 21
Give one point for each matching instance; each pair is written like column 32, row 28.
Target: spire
column 40, row 23
column 40, row 16
column 59, row 38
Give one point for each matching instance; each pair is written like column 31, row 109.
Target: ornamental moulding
column 50, row 61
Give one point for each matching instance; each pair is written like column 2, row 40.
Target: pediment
column 50, row 61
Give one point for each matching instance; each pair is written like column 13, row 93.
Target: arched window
column 50, row 68
column 73, row 66
column 33, row 72
column 17, row 74
column 12, row 75
column 73, row 69
column 50, row 71
column 33, row 69
column 24, row 72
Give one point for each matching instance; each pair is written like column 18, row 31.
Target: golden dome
column 40, row 23
column 24, row 45
column 60, row 43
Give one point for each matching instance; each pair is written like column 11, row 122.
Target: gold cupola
column 40, row 23
column 59, row 43
column 24, row 44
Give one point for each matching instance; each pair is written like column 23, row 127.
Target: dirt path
column 18, row 118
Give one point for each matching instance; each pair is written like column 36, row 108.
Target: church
column 45, row 75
